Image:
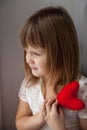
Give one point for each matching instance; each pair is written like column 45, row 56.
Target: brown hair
column 52, row 28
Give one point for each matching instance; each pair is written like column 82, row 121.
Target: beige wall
column 12, row 15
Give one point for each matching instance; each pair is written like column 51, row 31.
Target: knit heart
column 68, row 97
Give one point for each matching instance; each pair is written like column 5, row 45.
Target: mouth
column 33, row 68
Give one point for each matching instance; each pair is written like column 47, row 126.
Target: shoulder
column 83, row 95
column 83, row 84
column 83, row 80
column 26, row 86
column 26, row 90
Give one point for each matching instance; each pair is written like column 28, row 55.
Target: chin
column 36, row 75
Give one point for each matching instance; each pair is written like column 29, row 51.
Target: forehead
column 36, row 49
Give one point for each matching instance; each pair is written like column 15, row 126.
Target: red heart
column 68, row 97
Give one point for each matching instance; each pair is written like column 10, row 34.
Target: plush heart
column 68, row 97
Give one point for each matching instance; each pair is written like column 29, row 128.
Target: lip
column 33, row 68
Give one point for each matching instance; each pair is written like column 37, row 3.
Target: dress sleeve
column 22, row 91
column 83, row 93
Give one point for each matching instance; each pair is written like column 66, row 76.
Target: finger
column 49, row 105
column 55, row 107
column 56, row 101
column 61, row 112
column 43, row 108
column 43, row 105
column 45, row 101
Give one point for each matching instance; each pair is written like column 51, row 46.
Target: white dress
column 33, row 96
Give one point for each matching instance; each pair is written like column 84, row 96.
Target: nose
column 29, row 59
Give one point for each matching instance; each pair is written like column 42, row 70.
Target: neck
column 47, row 83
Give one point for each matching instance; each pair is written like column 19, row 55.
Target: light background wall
column 13, row 13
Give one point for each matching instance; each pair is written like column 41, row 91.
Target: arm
column 83, row 123
column 25, row 120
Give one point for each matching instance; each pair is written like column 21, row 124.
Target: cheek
column 41, row 62
column 42, row 65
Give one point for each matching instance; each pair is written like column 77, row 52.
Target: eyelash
column 36, row 54
column 33, row 53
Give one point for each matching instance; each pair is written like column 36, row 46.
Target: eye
column 36, row 54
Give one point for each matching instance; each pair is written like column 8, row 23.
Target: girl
column 51, row 58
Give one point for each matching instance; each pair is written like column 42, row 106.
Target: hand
column 54, row 115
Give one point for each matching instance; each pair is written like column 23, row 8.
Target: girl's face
column 37, row 61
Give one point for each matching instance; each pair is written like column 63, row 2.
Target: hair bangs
column 33, row 36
